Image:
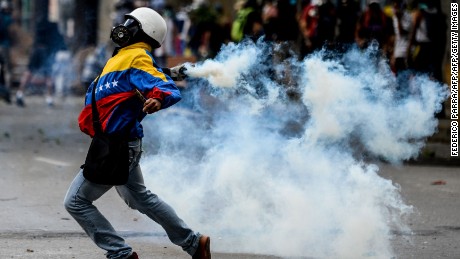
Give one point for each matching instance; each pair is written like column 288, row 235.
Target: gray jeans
column 79, row 203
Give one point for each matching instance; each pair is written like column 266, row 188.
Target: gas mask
column 123, row 33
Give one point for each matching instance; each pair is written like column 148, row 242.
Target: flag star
column 107, row 85
column 115, row 83
column 100, row 88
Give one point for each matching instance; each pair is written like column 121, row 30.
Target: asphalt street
column 41, row 150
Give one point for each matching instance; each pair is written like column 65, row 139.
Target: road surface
column 41, row 149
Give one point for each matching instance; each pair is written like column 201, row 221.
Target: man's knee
column 70, row 203
column 128, row 198
column 138, row 200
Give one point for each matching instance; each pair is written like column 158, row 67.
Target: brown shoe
column 133, row 256
column 203, row 251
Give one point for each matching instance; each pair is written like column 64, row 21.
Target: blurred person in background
column 222, row 30
column 157, row 4
column 207, row 33
column 284, row 33
column 122, row 7
column 402, row 25
column 428, row 38
column 428, row 41
column 47, row 42
column 130, row 73
column 374, row 26
column 270, row 19
column 183, row 24
column 318, row 22
column 286, row 27
column 167, row 48
column 248, row 22
column 5, row 43
column 95, row 61
column 348, row 13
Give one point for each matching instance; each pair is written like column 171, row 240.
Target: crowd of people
column 403, row 29
column 410, row 34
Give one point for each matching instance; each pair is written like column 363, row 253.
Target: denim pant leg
column 136, row 195
column 79, row 203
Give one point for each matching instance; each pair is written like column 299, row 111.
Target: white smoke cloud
column 224, row 71
column 265, row 173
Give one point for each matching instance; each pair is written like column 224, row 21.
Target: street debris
column 439, row 182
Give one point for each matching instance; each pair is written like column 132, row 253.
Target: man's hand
column 151, row 106
column 178, row 72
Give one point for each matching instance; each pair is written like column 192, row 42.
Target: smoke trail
column 279, row 160
column 224, row 71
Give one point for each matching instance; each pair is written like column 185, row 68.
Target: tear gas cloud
column 277, row 157
column 224, row 71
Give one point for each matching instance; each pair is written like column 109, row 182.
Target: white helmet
column 151, row 23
